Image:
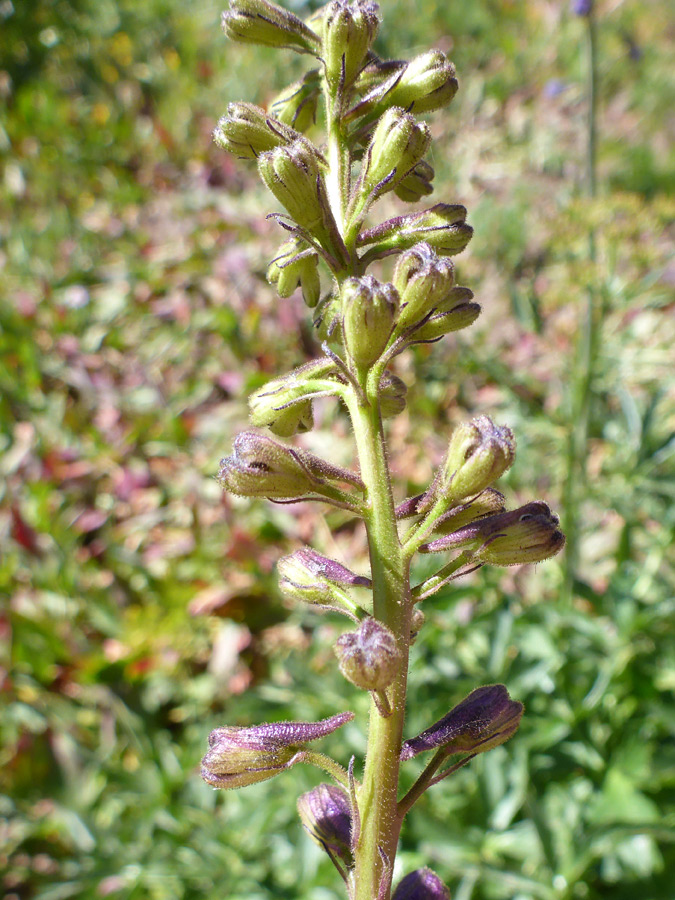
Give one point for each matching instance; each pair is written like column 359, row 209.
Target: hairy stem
column 380, row 824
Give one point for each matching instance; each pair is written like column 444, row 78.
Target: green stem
column 380, row 824
column 588, row 342
column 332, row 768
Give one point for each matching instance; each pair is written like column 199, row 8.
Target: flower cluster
column 327, row 182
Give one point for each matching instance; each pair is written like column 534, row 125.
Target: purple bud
column 422, row 884
column 483, row 720
column 330, row 569
column 326, row 814
column 582, row 7
column 240, row 755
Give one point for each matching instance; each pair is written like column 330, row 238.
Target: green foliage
column 140, row 609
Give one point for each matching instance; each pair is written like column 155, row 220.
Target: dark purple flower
column 422, row 884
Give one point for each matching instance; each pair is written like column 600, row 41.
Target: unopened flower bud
column 369, row 311
column 423, row 280
column 417, row 620
column 528, row 534
column 325, row 812
column 488, row 503
column 284, row 404
column 483, row 720
column 392, row 395
column 248, row 131
column 398, row 144
column 416, row 184
column 328, row 318
column 349, row 29
column 369, row 657
column 455, row 312
column 422, row 884
column 262, row 467
column 263, row 23
column 296, row 265
column 428, row 82
column 296, row 105
column 239, row 756
column 442, row 226
column 311, row 578
column 293, row 174
column 479, row 453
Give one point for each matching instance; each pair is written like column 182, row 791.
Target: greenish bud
column 525, row 535
column 239, row 756
column 488, row 503
column 284, row 404
column 483, row 720
column 428, row 82
column 369, row 311
column 296, row 105
column 416, row 184
column 456, row 312
column 369, row 657
column 422, row 884
column 423, row 280
column 417, row 620
column 294, row 175
column 349, row 29
column 263, row 23
column 392, row 395
column 248, row 131
column 328, row 320
column 296, row 265
column 308, row 577
column 442, row 227
column 325, row 812
column 479, row 453
column 398, row 144
column 261, row 467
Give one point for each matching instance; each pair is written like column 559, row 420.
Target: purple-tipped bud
column 370, row 308
column 284, row 404
column 296, row 105
column 294, row 174
column 349, row 29
column 263, row 23
column 416, row 184
column 528, row 534
column 262, row 467
column 428, row 82
column 392, row 395
column 479, row 453
column 454, row 313
column 369, row 657
column 398, row 144
column 489, row 503
column 247, row 131
column 326, row 814
column 296, row 265
column 311, row 578
column 483, row 720
column 422, row 884
column 423, row 280
column 239, row 756
column 443, row 227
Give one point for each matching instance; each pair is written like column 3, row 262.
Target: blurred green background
column 140, row 607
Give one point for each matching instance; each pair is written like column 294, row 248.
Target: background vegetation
column 140, row 607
